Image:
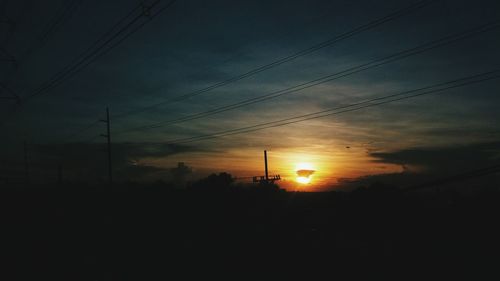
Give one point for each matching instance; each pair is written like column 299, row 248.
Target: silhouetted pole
column 108, row 137
column 26, row 164
column 265, row 178
column 265, row 162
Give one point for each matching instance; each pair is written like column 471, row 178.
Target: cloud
column 439, row 159
column 426, row 164
column 88, row 161
column 305, row 173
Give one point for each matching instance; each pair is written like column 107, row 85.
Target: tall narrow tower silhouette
column 108, row 137
column 265, row 178
column 265, row 163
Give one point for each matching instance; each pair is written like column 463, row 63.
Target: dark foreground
column 154, row 234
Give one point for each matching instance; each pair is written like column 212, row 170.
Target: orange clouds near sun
column 304, row 172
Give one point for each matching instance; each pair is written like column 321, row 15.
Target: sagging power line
column 112, row 38
column 436, row 88
column 62, row 15
column 328, row 78
column 370, row 25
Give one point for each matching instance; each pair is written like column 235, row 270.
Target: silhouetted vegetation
column 222, row 182
column 145, row 232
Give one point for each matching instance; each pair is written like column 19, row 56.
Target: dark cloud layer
column 444, row 159
column 88, row 161
column 425, row 165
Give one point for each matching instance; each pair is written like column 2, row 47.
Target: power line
column 84, row 129
column 90, row 56
column 329, row 42
column 98, row 41
column 258, row 41
column 145, row 11
column 13, row 95
column 84, row 55
column 474, row 79
column 149, row 16
column 13, row 24
column 63, row 14
column 346, row 35
column 328, row 78
column 432, row 89
column 10, row 32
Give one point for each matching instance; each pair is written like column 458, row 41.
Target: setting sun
column 304, row 172
column 303, row 180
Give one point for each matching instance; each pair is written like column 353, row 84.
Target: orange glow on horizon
column 330, row 167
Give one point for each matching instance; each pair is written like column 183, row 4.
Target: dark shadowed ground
column 157, row 233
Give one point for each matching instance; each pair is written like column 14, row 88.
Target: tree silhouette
column 214, row 183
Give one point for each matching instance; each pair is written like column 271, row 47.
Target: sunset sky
column 193, row 45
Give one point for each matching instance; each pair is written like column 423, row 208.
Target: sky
column 192, row 45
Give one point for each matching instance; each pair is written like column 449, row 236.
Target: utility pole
column 265, row 178
column 26, row 164
column 108, row 137
column 265, row 163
